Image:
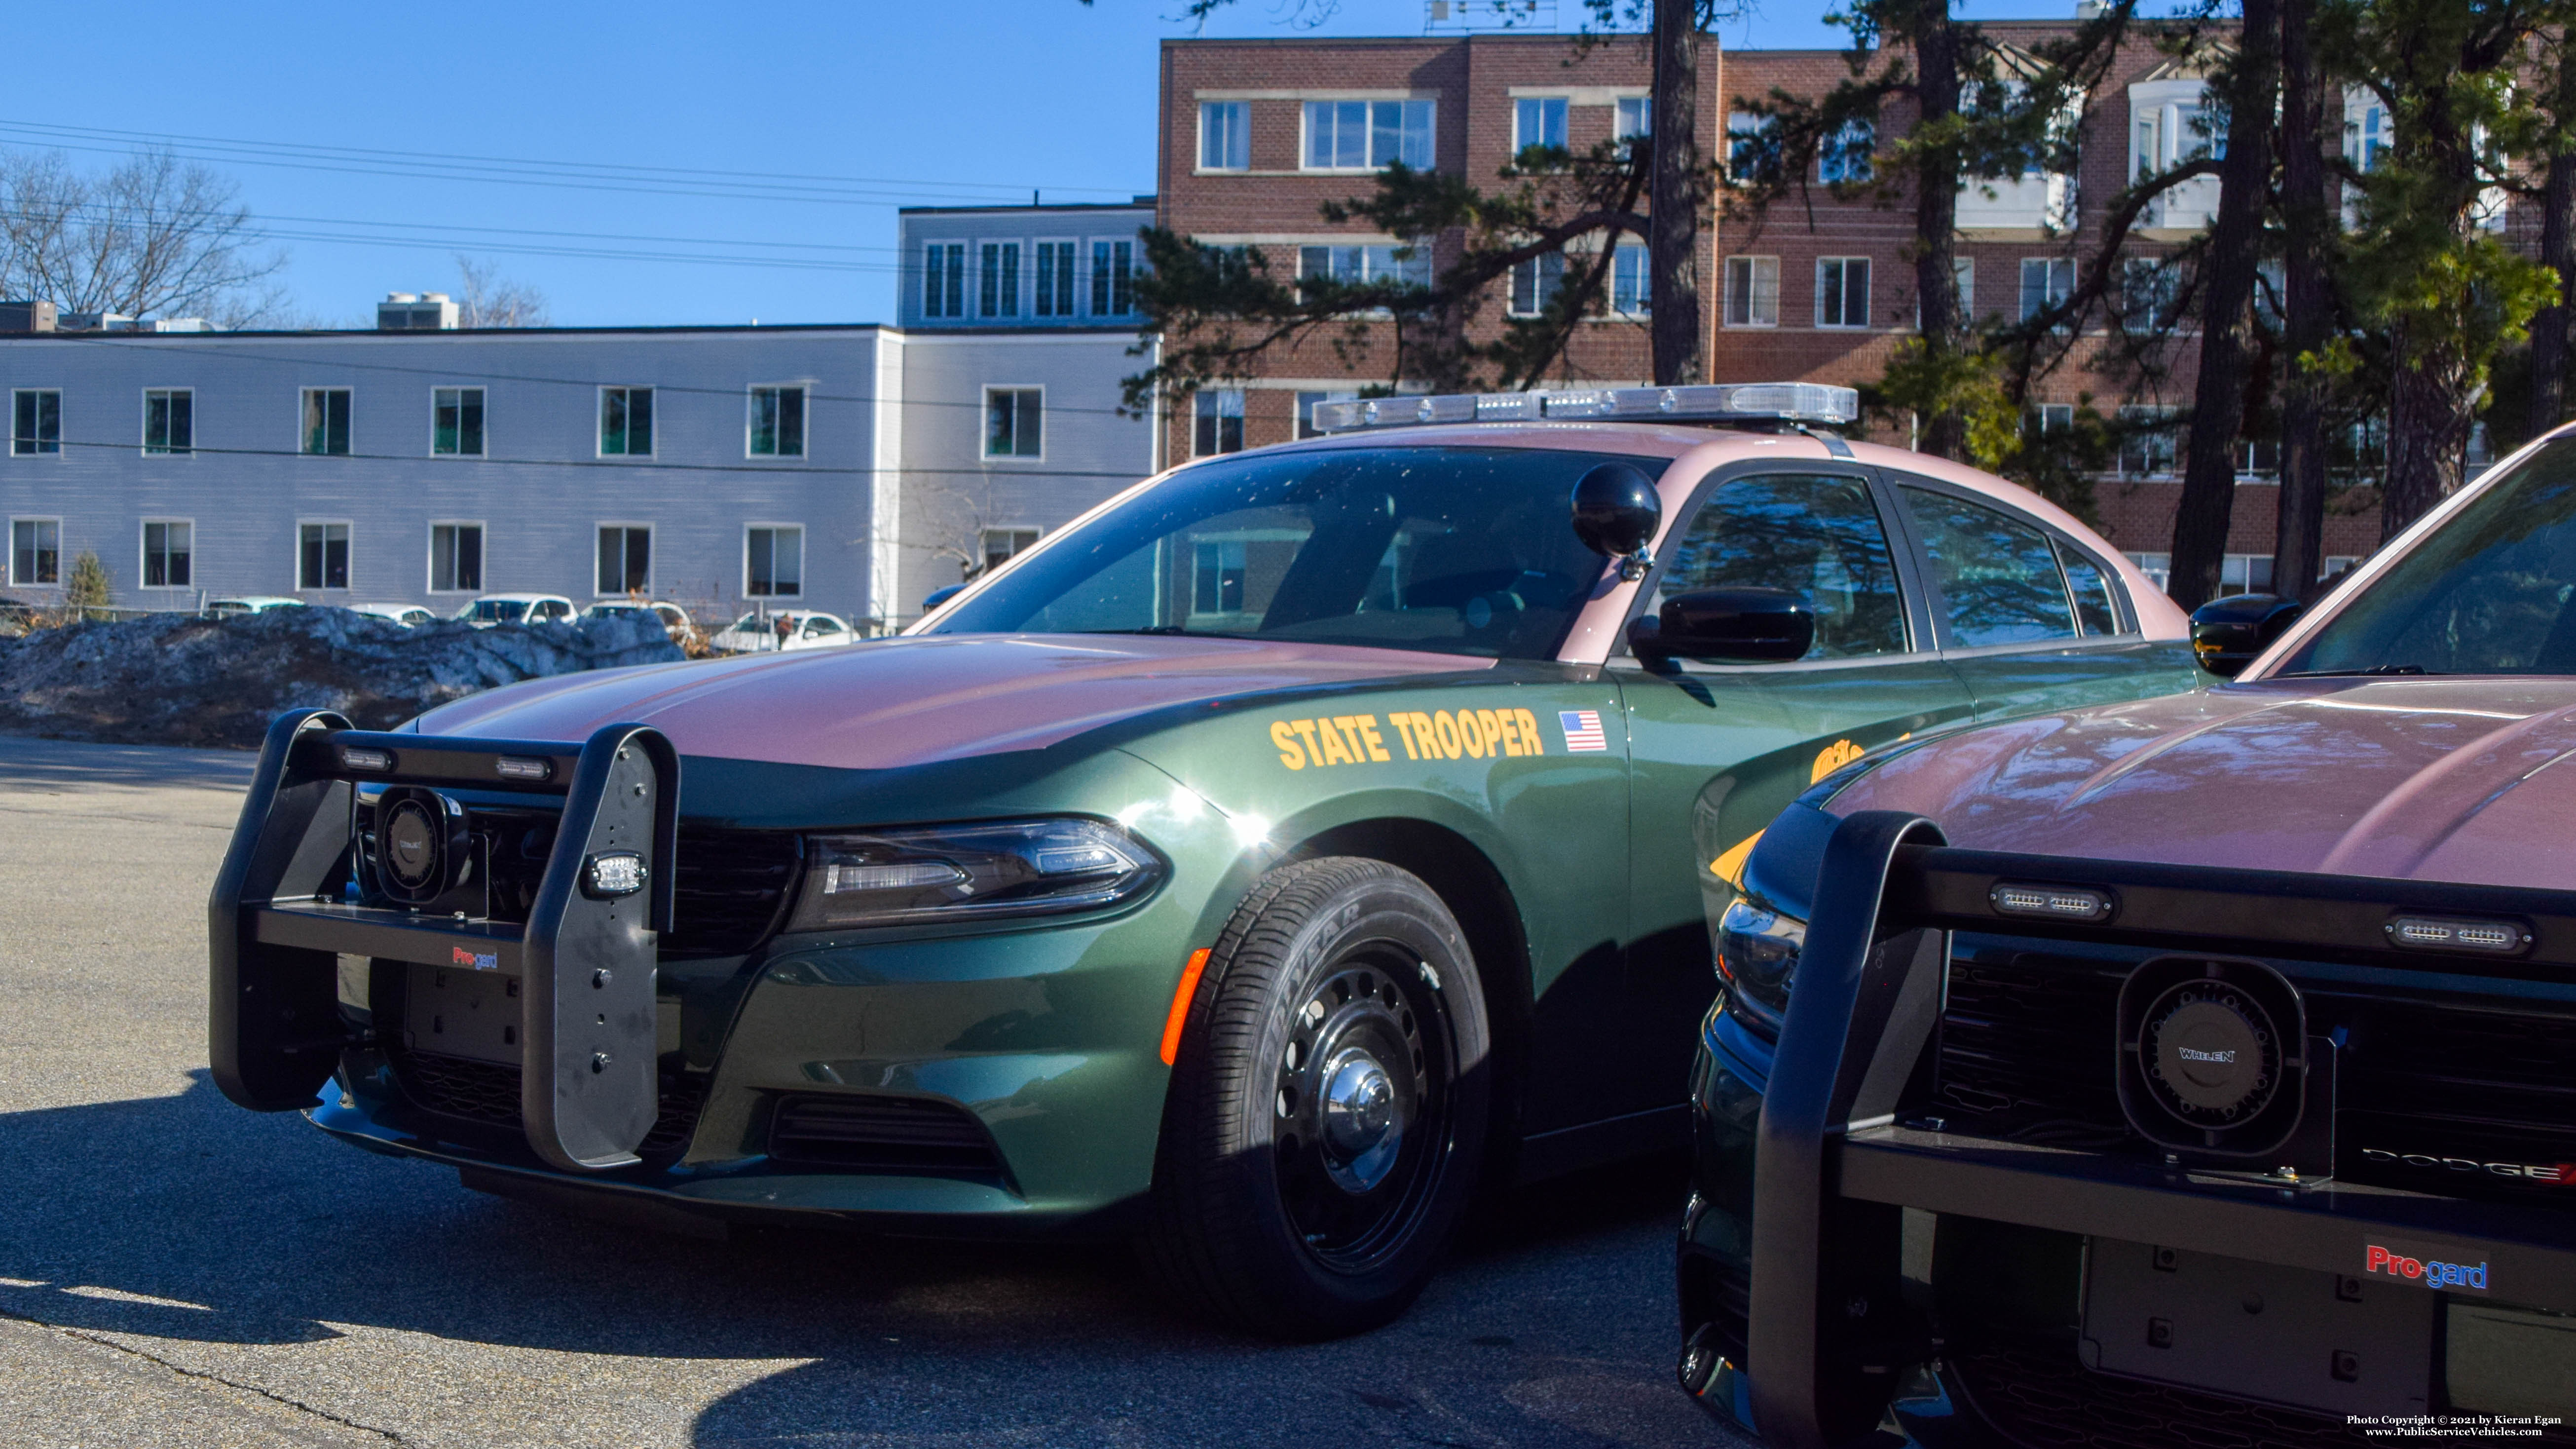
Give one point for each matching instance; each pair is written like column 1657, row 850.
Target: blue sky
column 870, row 104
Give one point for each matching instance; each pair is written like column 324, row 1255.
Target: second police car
column 1252, row 867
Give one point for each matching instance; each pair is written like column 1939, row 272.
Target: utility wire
column 646, row 464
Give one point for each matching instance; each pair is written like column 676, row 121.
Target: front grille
column 2026, row 1047
column 730, row 889
column 2041, row 1398
column 488, row 1093
column 882, row 1134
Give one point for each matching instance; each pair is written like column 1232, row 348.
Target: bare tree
column 151, row 236
column 487, row 299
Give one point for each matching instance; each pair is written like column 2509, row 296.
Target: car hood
column 2430, row 779
column 893, row 702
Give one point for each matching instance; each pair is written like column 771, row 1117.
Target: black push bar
column 585, row 957
column 1833, row 1165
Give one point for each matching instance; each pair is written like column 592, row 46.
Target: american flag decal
column 1582, row 730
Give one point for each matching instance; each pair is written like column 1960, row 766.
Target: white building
column 843, row 468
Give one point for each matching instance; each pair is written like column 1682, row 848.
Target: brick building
column 1257, row 134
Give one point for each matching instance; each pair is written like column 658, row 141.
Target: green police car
column 1252, row 868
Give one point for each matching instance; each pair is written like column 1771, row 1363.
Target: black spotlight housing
column 2214, row 1056
column 423, row 851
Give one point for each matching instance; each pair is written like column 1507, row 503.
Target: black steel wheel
column 1327, row 1113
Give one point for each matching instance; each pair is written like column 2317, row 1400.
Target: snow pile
column 174, row 679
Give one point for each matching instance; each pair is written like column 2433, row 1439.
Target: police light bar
column 1734, row 402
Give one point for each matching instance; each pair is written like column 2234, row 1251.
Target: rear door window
column 1818, row 535
column 2097, row 608
column 1998, row 575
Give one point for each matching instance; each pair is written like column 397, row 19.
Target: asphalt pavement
column 177, row 1271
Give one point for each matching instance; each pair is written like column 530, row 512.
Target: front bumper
column 1851, row 1261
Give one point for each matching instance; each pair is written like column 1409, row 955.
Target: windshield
column 498, row 611
column 2486, row 594
column 1451, row 550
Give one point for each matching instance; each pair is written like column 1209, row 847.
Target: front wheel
column 1327, row 1113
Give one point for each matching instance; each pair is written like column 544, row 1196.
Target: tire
column 1327, row 1113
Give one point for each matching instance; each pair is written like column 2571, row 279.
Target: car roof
column 519, row 598
column 254, row 599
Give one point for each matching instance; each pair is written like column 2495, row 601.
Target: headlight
column 1757, row 950
column 958, row 872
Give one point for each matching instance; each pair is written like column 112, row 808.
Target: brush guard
column 1837, row 1158
column 585, row 957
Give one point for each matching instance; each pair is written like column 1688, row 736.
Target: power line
column 647, row 465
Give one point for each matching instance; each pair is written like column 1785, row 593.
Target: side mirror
column 1735, row 626
column 937, row 597
column 1616, row 512
column 2227, row 633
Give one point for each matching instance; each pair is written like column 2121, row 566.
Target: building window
column 773, row 561
column 1846, row 155
column 999, row 280
column 1963, row 273
column 1752, row 148
column 2146, row 442
column 1000, row 545
column 1218, row 414
column 2044, row 419
column 1113, row 282
column 1538, row 121
column 943, row 280
column 1367, row 135
column 778, row 422
column 2158, row 567
column 1217, row 580
column 455, row 558
column 35, row 551
column 2150, row 294
column 36, row 424
column 1535, row 283
column 1630, row 294
column 626, row 422
column 2045, row 282
column 322, row 556
column 169, row 420
column 1225, row 135
column 2375, row 135
column 1014, row 422
column 326, row 421
column 1405, row 264
column 1752, row 291
column 456, row 422
column 625, row 558
column 1055, row 279
column 1842, row 291
column 1635, row 116
column 1306, row 402
column 168, row 547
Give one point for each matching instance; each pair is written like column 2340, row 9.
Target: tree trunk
column 1673, row 247
column 2307, row 308
column 2430, row 414
column 2549, row 330
column 2227, row 295
column 1936, row 216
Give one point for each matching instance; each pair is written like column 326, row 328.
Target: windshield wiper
column 2354, row 673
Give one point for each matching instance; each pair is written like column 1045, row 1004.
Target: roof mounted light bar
column 1733, row 402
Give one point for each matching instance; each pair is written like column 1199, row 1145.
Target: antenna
column 1467, row 16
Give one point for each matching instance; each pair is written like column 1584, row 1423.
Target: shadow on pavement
column 67, row 765
column 186, row 1218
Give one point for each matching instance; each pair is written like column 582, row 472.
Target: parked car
column 783, row 629
column 1254, row 866
column 2239, row 1102
column 672, row 617
column 496, row 609
column 412, row 615
column 249, row 604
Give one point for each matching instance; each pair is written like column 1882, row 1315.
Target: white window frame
column 1844, row 291
column 482, row 560
column 459, row 388
column 965, row 267
column 1565, row 120
column 1068, row 302
column 1744, row 127
column 303, row 413
column 1833, row 152
column 349, row 537
column 2054, row 270
column 1726, row 301
column 11, row 565
column 16, row 393
column 1368, row 164
column 1242, row 409
column 652, row 555
column 1620, row 130
column 1642, row 259
column 985, row 424
column 1540, row 293
column 983, row 556
column 1238, row 108
column 144, row 432
column 2171, row 443
column 1089, row 265
column 143, row 553
column 599, row 419
column 1008, row 304
column 804, row 420
column 775, row 528
column 1303, row 425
